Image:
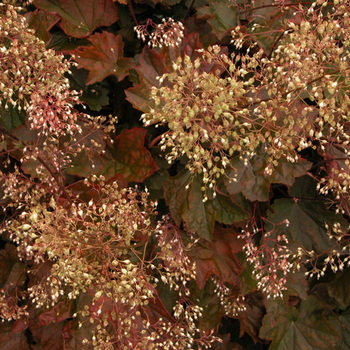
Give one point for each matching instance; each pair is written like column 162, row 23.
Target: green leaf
column 185, row 200
column 155, row 184
column 221, row 16
column 229, row 209
column 80, row 18
column 186, row 204
column 62, row 43
column 128, row 156
column 254, row 183
column 296, row 284
column 298, row 328
column 208, row 299
column 11, row 117
column 103, row 58
column 306, row 224
column 248, row 282
column 306, row 215
column 95, row 96
column 286, row 172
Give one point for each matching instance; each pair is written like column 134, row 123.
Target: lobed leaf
column 254, row 183
column 221, row 17
column 103, row 58
column 79, row 18
column 299, row 328
column 218, row 257
column 184, row 197
column 128, row 156
column 42, row 22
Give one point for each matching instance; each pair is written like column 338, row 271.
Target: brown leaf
column 80, row 18
column 128, row 156
column 217, row 257
column 42, row 22
column 103, row 58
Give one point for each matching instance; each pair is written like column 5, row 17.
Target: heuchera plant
column 174, row 182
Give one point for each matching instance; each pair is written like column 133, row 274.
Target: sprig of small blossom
column 270, row 259
column 33, row 77
column 168, row 33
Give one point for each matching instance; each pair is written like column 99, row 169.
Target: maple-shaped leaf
column 218, row 257
column 151, row 64
column 79, row 18
column 254, row 183
column 128, row 156
column 184, row 197
column 42, row 22
column 306, row 223
column 306, row 213
column 221, row 16
column 103, row 58
column 298, row 328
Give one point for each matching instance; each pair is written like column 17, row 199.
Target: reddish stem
column 132, row 12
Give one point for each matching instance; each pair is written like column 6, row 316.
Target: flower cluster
column 87, row 241
column 167, row 33
column 183, row 334
column 337, row 258
column 213, row 118
column 35, row 87
column 278, row 105
column 9, row 308
column 33, row 77
column 232, row 303
column 179, row 270
column 205, row 114
column 270, row 258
